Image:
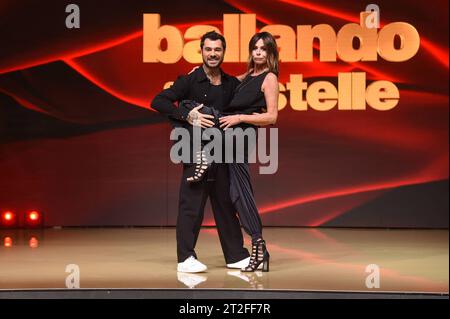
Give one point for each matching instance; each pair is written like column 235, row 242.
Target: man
column 210, row 86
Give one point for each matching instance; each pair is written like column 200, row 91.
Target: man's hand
column 195, row 68
column 196, row 118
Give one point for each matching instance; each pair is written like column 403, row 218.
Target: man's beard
column 206, row 62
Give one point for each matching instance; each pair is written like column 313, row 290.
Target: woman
column 255, row 103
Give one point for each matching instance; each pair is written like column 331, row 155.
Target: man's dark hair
column 213, row 35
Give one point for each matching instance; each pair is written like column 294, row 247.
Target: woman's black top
column 248, row 97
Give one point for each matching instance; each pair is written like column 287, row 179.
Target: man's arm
column 164, row 101
column 242, row 76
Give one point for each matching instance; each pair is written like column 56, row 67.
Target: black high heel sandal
column 201, row 167
column 259, row 256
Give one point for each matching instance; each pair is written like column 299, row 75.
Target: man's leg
column 227, row 222
column 191, row 206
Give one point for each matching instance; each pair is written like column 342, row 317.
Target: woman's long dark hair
column 272, row 51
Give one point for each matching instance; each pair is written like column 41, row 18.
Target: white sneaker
column 239, row 264
column 242, row 264
column 191, row 265
column 190, row 280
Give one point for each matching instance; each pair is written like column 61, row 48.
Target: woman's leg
column 201, row 157
column 241, row 192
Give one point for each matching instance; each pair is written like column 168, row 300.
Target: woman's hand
column 229, row 121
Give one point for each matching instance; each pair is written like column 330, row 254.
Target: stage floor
column 302, row 259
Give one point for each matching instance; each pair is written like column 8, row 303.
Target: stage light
column 33, row 218
column 8, row 219
column 7, row 242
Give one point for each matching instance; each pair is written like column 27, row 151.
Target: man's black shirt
column 195, row 86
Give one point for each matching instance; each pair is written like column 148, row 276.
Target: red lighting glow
column 33, row 242
column 8, row 218
column 7, row 242
column 33, row 218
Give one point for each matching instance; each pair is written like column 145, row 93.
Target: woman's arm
column 270, row 88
